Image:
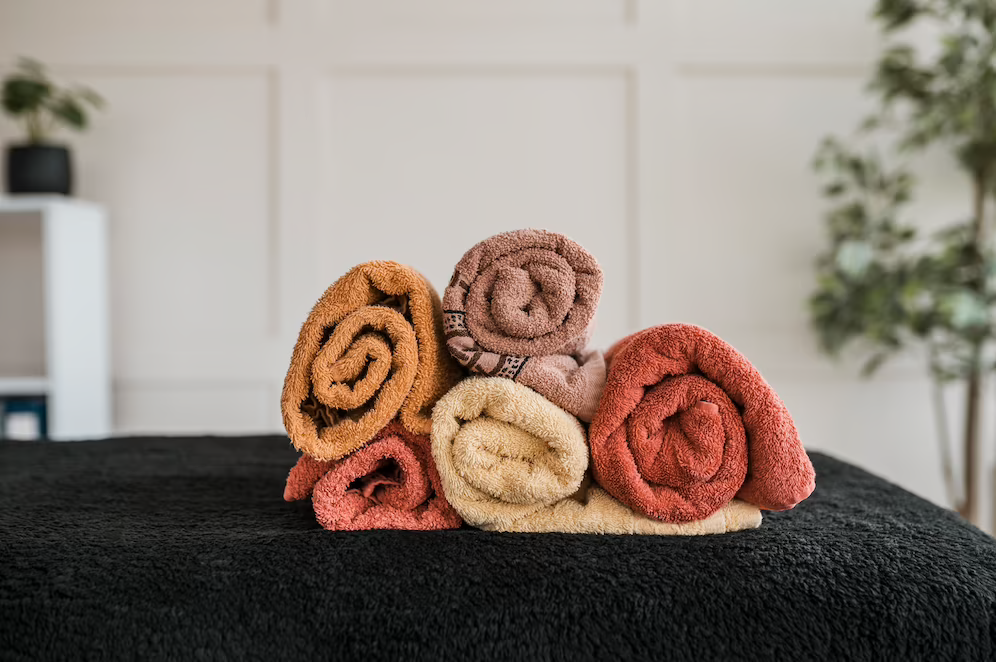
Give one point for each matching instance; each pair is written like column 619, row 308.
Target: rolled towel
column 511, row 460
column 371, row 349
column 520, row 305
column 391, row 483
column 686, row 423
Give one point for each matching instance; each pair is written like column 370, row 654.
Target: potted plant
column 37, row 165
column 883, row 285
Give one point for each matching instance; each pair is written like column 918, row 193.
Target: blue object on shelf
column 23, row 418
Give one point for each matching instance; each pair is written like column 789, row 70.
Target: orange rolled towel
column 371, row 349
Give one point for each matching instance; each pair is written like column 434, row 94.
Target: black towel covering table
column 182, row 548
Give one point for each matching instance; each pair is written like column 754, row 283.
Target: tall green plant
column 31, row 97
column 880, row 284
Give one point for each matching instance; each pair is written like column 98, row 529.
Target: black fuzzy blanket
column 182, row 548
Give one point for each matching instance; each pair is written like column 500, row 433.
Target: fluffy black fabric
column 184, row 549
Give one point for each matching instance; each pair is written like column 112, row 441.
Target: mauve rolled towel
column 520, row 305
column 686, row 423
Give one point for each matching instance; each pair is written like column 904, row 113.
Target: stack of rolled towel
column 489, row 407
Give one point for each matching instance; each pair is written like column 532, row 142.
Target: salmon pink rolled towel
column 686, row 423
column 520, row 305
column 391, row 483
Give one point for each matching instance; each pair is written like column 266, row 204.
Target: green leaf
column 870, row 123
column 23, row 95
column 978, row 155
column 896, row 13
column 70, row 112
column 91, row 97
column 873, row 364
column 834, row 189
column 854, row 257
column 32, row 68
column 965, row 310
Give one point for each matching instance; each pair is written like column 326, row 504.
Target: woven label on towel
column 470, row 355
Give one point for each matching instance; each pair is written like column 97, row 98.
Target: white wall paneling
column 777, row 35
column 113, row 15
column 195, row 406
column 254, row 150
column 475, row 152
column 463, row 13
column 185, row 164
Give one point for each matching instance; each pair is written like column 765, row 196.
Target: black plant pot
column 39, row 169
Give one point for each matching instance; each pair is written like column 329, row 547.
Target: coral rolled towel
column 686, row 423
column 389, row 484
column 371, row 349
column 511, row 460
column 520, row 305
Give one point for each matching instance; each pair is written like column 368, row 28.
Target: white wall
column 254, row 150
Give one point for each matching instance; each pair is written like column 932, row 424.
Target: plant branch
column 36, row 132
column 974, row 380
column 951, row 486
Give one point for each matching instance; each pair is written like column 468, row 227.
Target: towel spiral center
column 682, row 430
column 526, row 297
column 357, row 361
column 347, row 380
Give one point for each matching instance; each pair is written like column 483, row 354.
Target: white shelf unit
column 54, row 317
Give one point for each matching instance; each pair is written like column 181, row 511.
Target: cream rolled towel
column 511, row 460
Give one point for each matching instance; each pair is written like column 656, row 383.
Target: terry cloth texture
column 391, row 483
column 686, row 422
column 511, row 460
column 183, row 549
column 371, row 349
column 520, row 305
